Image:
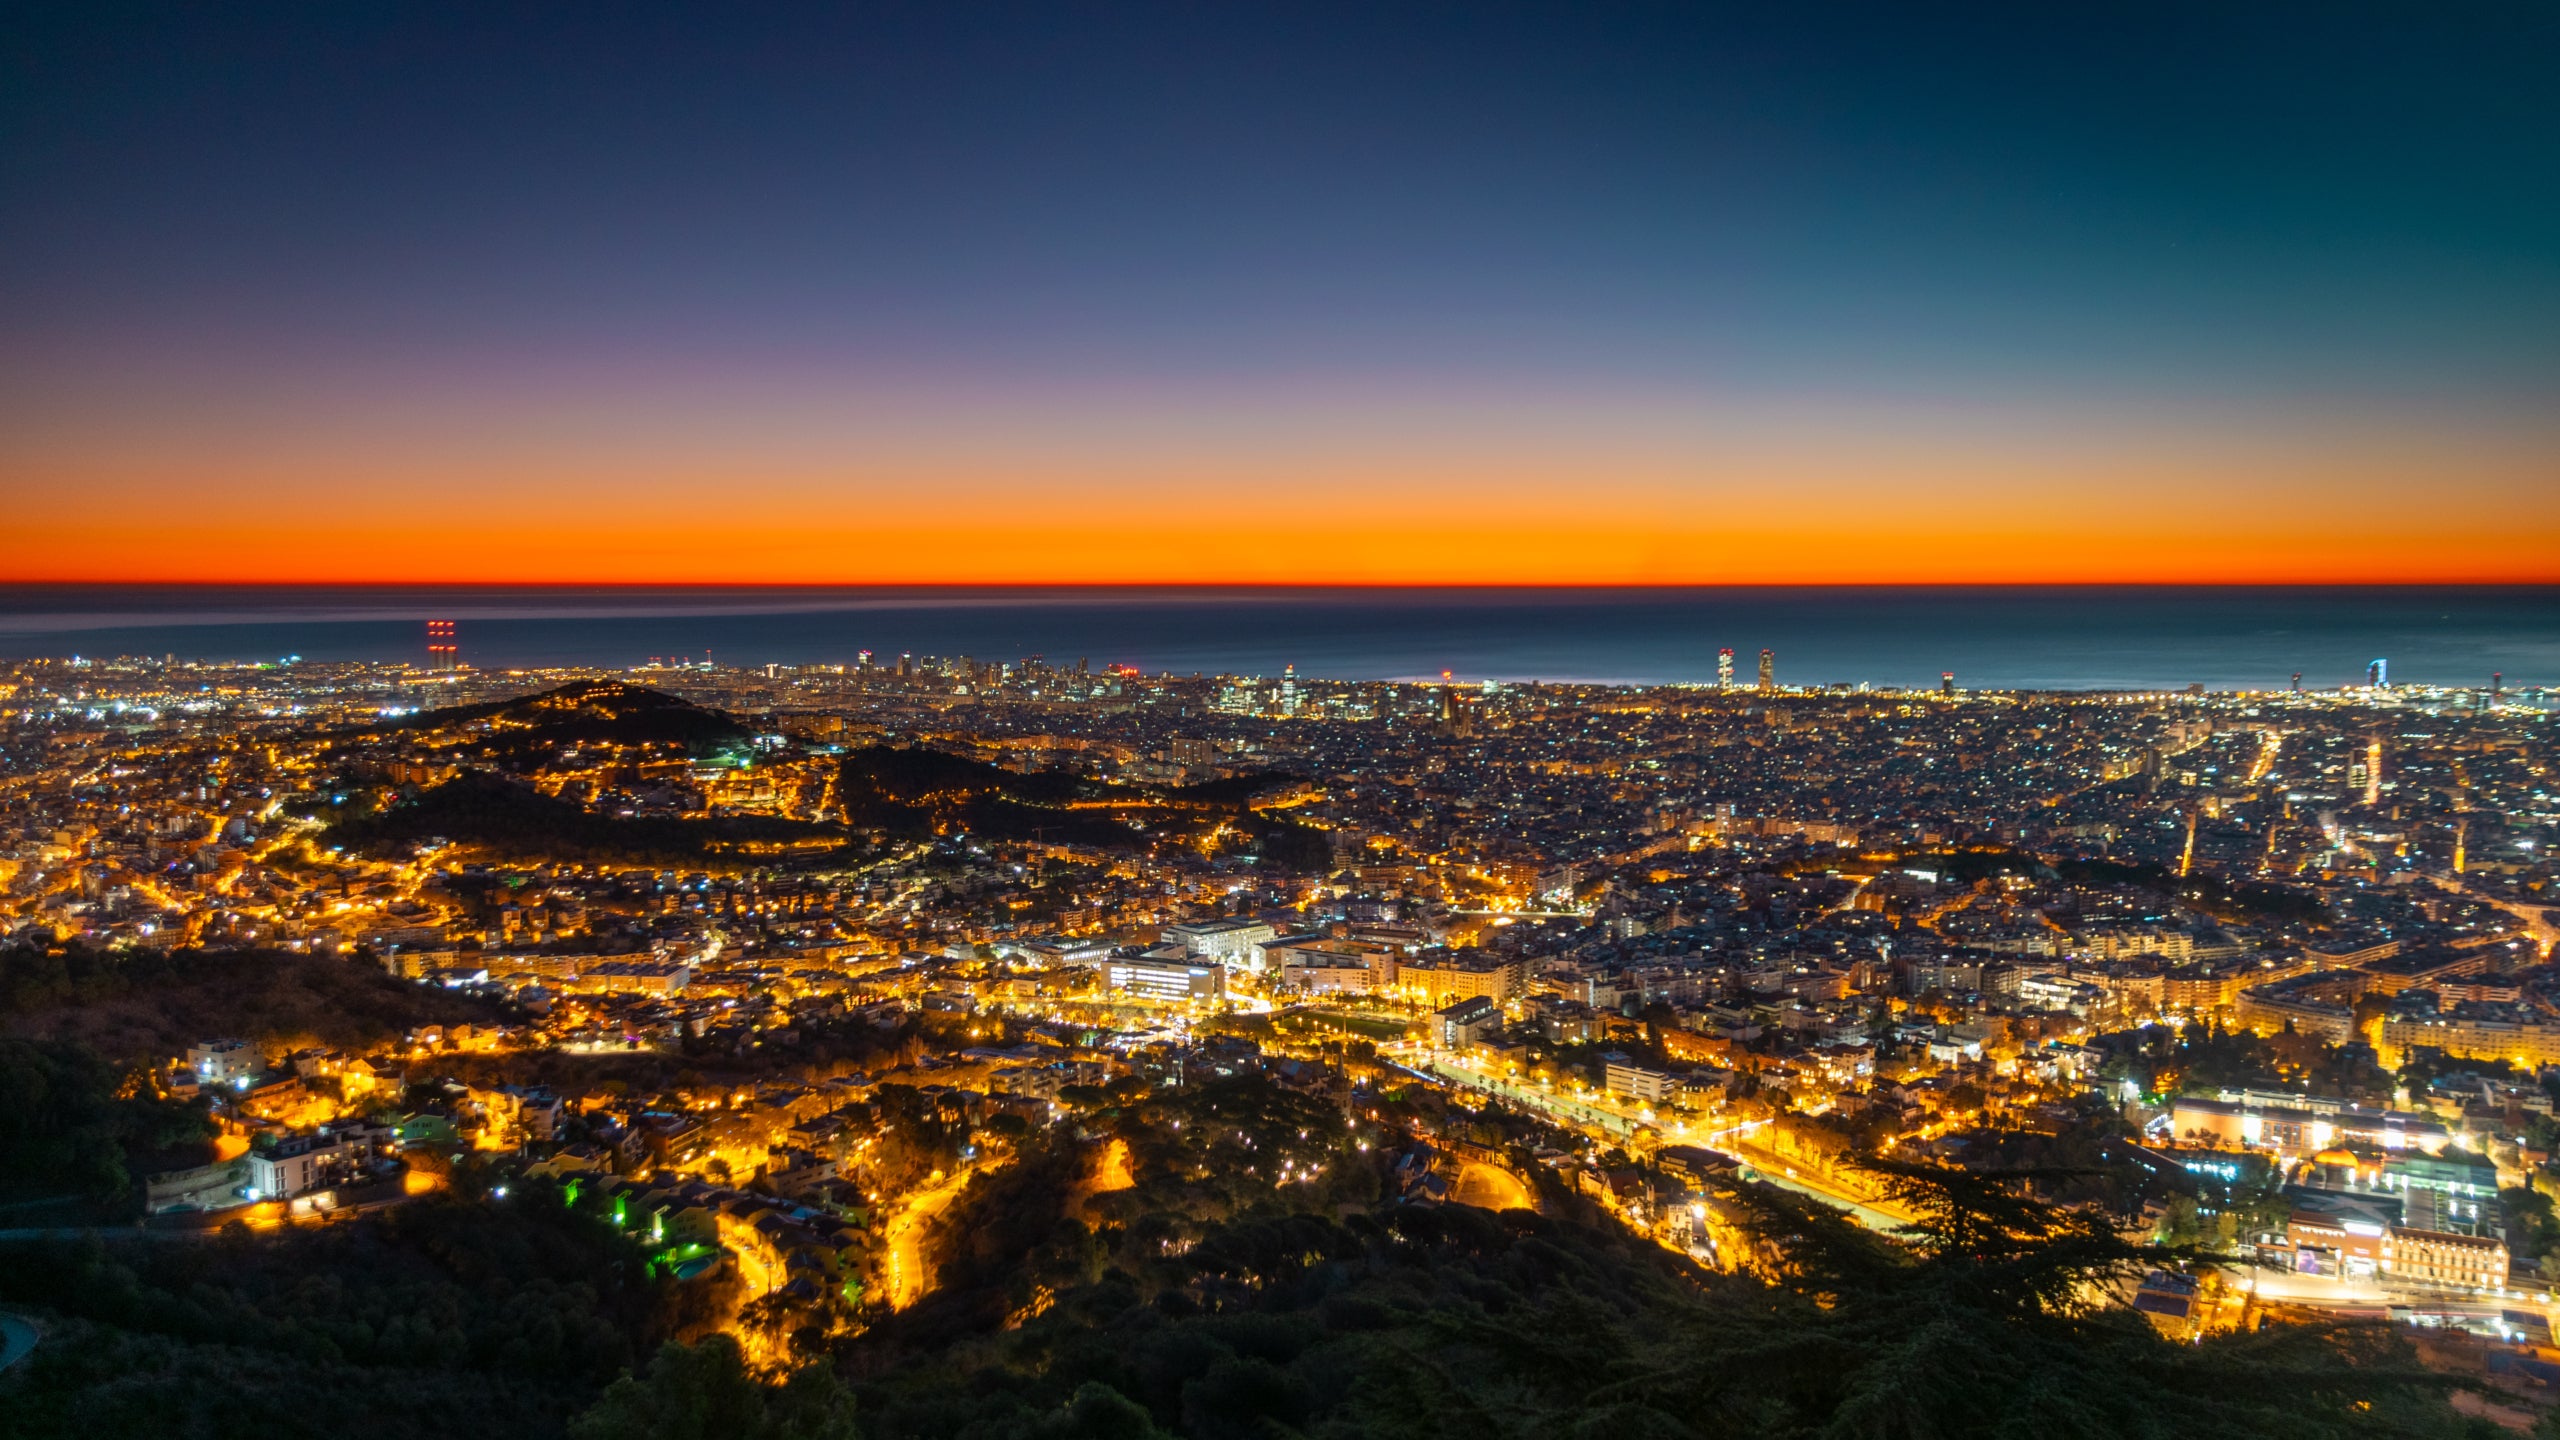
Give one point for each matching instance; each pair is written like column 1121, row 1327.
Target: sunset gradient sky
column 1464, row 293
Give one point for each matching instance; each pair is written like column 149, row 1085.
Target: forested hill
column 588, row 711
column 1226, row 1294
column 505, row 819
column 137, row 1007
column 1244, row 1272
column 916, row 790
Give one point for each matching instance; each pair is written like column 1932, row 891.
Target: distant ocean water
column 2070, row 638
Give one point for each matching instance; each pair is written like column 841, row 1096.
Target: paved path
column 1490, row 1187
column 907, row 1277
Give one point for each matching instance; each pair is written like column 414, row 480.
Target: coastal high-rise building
column 1724, row 668
column 2497, row 687
column 2378, row 675
column 1289, row 691
column 442, row 651
column 1768, row 670
column 1946, row 682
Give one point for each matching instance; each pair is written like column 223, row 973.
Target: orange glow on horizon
column 1126, row 557
column 1347, row 558
column 2043, row 509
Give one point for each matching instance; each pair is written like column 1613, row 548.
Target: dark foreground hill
column 1249, row 1279
column 1226, row 1294
column 483, row 1316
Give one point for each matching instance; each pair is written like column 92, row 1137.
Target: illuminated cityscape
column 772, row 965
column 1207, row 722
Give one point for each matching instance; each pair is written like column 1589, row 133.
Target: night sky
column 1218, row 292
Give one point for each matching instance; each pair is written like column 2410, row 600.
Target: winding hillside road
column 907, row 1277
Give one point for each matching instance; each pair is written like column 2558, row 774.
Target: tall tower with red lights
column 442, row 652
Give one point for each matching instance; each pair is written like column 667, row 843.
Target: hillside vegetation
column 1221, row 1296
column 589, row 712
column 920, row 791
column 1251, row 1278
column 506, row 820
column 135, row 1007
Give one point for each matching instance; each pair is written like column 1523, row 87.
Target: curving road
column 2545, row 934
column 907, row 1276
column 1874, row 1212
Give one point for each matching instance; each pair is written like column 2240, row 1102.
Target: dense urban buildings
column 771, row 967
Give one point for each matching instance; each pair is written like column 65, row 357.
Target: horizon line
column 2550, row 581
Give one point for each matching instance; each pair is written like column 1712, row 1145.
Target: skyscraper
column 2378, row 674
column 442, row 652
column 1724, row 668
column 1946, row 682
column 1768, row 670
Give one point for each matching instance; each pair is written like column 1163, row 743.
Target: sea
column 1987, row 637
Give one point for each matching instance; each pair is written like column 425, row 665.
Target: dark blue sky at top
column 2193, row 199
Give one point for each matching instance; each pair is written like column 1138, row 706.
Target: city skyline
column 1618, row 297
column 1181, row 721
